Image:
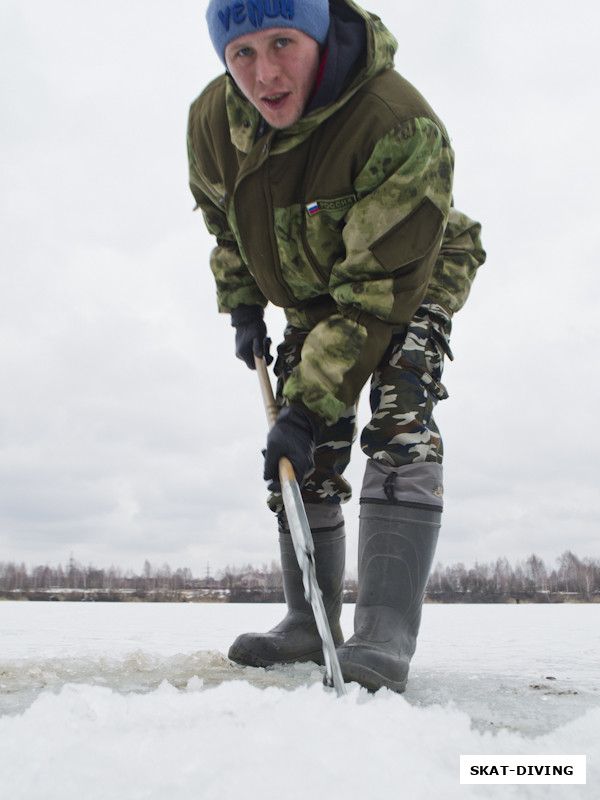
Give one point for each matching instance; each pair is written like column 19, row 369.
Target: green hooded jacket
column 344, row 219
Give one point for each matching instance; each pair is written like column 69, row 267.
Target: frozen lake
column 105, row 677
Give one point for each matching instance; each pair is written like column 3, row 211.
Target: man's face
column 276, row 69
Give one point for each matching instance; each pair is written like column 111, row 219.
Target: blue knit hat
column 228, row 19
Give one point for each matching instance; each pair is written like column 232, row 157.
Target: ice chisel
column 302, row 539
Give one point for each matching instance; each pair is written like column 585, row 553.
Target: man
column 326, row 179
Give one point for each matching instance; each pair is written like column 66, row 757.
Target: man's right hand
column 250, row 334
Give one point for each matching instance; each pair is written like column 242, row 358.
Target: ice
column 139, row 701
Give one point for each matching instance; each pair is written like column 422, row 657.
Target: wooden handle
column 267, row 392
column 286, row 471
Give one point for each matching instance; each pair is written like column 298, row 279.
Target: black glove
column 250, row 334
column 294, row 436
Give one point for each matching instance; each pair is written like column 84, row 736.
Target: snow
column 136, row 700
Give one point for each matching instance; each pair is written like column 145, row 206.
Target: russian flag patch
column 312, row 208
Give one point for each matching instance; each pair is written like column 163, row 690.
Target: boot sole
column 370, row 679
column 247, row 659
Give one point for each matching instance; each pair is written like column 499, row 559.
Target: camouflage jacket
column 344, row 219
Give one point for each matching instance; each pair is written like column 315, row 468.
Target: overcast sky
column 129, row 431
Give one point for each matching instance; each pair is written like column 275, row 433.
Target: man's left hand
column 294, row 436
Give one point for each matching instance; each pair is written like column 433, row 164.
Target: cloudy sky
column 128, row 430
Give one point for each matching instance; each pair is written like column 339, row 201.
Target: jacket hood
column 359, row 46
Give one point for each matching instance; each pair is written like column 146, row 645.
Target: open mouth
column 275, row 101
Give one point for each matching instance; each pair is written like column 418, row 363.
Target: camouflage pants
column 404, row 391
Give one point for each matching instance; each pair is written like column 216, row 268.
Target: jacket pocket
column 411, row 240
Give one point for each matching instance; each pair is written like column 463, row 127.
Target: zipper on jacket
column 292, row 301
column 272, row 278
column 303, row 228
column 323, row 278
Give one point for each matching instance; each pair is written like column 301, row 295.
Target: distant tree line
column 530, row 580
column 572, row 579
column 162, row 584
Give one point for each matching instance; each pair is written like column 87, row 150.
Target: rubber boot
column 296, row 638
column 396, row 549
